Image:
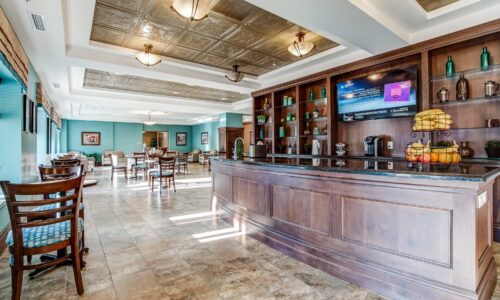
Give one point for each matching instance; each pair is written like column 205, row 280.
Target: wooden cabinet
column 227, row 135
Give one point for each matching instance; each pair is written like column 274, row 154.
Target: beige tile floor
column 147, row 246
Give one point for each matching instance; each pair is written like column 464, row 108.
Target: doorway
column 155, row 139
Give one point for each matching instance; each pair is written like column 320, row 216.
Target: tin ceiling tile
column 115, row 18
column 244, row 37
column 215, row 25
column 107, row 35
column 233, row 30
column 195, row 41
column 130, row 5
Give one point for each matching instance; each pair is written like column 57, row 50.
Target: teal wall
column 213, row 136
column 118, row 135
column 231, row 120
column 29, row 140
column 127, row 137
column 74, row 130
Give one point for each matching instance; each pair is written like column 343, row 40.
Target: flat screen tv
column 381, row 95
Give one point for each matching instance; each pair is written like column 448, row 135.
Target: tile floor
column 147, row 246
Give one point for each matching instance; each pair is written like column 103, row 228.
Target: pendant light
column 194, row 10
column 300, row 47
column 147, row 58
column 236, row 75
column 149, row 121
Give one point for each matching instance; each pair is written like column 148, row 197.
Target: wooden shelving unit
column 430, row 58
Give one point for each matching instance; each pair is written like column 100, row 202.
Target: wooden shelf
column 318, row 119
column 264, row 110
column 470, row 72
column 468, row 101
column 286, row 106
column 315, row 101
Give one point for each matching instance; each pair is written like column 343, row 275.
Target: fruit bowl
column 424, row 153
column 431, row 120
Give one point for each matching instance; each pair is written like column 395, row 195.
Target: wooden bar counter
column 406, row 232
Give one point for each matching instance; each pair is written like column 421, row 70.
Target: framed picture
column 31, row 117
column 26, row 112
column 35, row 118
column 181, row 139
column 91, row 138
column 204, row 138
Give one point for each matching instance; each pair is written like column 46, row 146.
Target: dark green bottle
column 450, row 67
column 323, row 92
column 261, row 133
column 311, row 95
column 485, row 59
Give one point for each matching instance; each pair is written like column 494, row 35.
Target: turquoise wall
column 74, row 130
column 127, row 137
column 213, row 136
column 29, row 140
column 231, row 120
column 118, row 135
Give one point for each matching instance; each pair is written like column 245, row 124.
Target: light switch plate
column 390, row 145
column 481, row 199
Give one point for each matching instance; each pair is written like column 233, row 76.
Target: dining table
column 136, row 158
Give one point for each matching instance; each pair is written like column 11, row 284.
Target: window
column 49, row 135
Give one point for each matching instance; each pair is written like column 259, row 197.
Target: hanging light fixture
column 149, row 121
column 194, row 10
column 147, row 58
column 300, row 47
column 235, row 76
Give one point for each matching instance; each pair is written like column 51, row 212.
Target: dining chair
column 65, row 162
column 206, row 161
column 58, row 173
column 166, row 169
column 31, row 236
column 183, row 162
column 139, row 163
column 118, row 163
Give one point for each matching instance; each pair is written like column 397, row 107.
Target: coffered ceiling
column 234, row 32
column 129, row 83
column 430, row 5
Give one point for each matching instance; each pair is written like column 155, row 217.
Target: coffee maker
column 374, row 145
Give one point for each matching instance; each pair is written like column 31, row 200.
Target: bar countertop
column 372, row 166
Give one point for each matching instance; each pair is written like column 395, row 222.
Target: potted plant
column 492, row 149
column 97, row 157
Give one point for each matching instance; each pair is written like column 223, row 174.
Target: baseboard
column 3, row 238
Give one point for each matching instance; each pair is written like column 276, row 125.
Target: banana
column 429, row 112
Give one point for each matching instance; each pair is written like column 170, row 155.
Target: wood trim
column 3, row 238
column 441, row 41
column 12, row 48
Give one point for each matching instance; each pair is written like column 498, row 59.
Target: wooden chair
column 62, row 229
column 166, row 169
column 118, row 163
column 139, row 163
column 65, row 162
column 58, row 173
column 183, row 162
column 206, row 161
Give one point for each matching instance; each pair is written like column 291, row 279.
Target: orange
column 434, row 157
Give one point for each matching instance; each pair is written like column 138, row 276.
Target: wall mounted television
column 380, row 95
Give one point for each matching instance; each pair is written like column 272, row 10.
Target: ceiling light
column 235, row 76
column 149, row 121
column 194, row 10
column 300, row 47
column 147, row 58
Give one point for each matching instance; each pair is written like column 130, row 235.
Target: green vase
column 450, row 67
column 485, row 59
column 282, row 132
column 261, row 133
column 323, row 92
column 311, row 95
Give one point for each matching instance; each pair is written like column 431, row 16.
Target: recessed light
column 176, row 92
column 224, row 98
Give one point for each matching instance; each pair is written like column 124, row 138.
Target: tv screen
column 379, row 95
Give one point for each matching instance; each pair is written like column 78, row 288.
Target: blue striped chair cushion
column 53, row 206
column 139, row 166
column 164, row 173
column 45, row 235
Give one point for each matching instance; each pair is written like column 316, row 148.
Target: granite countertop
column 380, row 166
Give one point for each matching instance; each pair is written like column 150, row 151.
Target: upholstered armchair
column 118, row 162
column 106, row 158
column 194, row 156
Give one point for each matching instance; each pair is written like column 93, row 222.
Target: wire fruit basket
column 425, row 153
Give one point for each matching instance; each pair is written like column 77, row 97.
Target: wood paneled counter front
column 405, row 232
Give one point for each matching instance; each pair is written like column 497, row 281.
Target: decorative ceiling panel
column 127, row 83
column 430, row 5
column 235, row 32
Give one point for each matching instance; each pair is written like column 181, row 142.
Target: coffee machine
column 374, row 145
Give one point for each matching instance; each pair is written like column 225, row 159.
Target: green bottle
column 323, row 92
column 450, row 67
column 485, row 59
column 311, row 95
